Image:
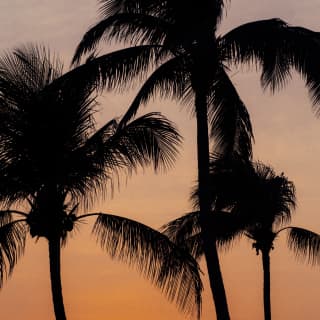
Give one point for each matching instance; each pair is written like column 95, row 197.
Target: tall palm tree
column 248, row 200
column 54, row 161
column 189, row 60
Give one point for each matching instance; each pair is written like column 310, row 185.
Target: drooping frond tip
column 230, row 121
column 305, row 244
column 89, row 42
column 169, row 267
column 12, row 243
column 151, row 138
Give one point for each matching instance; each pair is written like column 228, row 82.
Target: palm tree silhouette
column 249, row 199
column 276, row 202
column 190, row 61
column 53, row 162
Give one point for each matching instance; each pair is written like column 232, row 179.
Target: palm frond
column 194, row 245
column 91, row 39
column 12, row 243
column 115, row 70
column 14, row 187
column 230, row 121
column 277, row 48
column 276, row 193
column 182, row 228
column 113, row 7
column 305, row 244
column 130, row 28
column 225, row 228
column 39, row 74
column 5, row 217
column 264, row 43
column 169, row 267
column 151, row 138
column 306, row 62
column 112, row 150
column 137, row 29
column 219, row 9
column 168, row 80
column 25, row 71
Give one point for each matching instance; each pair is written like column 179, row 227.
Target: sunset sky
column 287, row 137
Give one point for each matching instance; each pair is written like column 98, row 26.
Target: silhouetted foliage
column 248, row 199
column 53, row 159
column 190, row 66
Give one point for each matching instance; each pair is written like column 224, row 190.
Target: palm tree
column 53, row 162
column 248, row 199
column 303, row 242
column 189, row 60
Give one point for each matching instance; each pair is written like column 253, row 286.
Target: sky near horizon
column 286, row 137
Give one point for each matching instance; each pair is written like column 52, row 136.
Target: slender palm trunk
column 55, row 277
column 210, row 249
column 266, row 284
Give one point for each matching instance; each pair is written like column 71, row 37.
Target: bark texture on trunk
column 210, row 249
column 55, row 277
column 266, row 284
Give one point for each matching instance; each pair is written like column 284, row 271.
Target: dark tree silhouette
column 53, row 161
column 190, row 65
column 249, row 199
column 277, row 199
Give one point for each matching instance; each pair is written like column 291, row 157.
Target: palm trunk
column 210, row 249
column 55, row 277
column 266, row 284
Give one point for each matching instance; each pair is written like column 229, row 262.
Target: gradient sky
column 287, row 137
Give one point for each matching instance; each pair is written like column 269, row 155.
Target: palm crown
column 186, row 61
column 53, row 159
column 181, row 39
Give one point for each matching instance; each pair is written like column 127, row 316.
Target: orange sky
column 287, row 137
